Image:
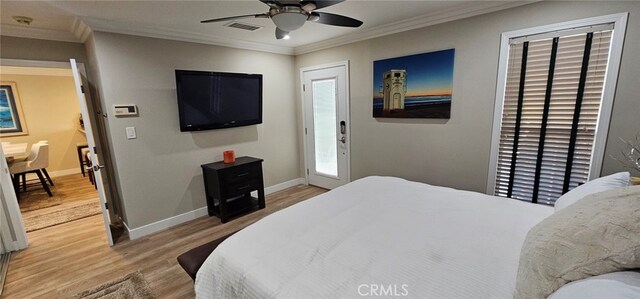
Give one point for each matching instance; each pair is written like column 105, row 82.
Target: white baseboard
column 281, row 186
column 126, row 226
column 64, row 172
column 166, row 223
column 58, row 173
column 157, row 226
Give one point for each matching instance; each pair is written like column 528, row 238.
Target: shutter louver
column 516, row 173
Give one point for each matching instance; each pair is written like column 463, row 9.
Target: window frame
column 608, row 93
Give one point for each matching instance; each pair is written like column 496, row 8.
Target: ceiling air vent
column 243, row 26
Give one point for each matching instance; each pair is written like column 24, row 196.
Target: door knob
column 97, row 167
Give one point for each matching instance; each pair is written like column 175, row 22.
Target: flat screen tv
column 214, row 100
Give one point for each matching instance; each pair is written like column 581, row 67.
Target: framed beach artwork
column 12, row 121
column 414, row 86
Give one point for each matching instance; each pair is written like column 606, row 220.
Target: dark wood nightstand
column 228, row 187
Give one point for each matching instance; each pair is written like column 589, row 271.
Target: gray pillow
column 597, row 235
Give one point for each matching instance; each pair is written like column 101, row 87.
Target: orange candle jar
column 229, row 156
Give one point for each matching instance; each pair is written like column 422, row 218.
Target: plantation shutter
column 552, row 99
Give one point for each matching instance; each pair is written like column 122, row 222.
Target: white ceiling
column 180, row 20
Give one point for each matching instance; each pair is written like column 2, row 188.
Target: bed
column 377, row 236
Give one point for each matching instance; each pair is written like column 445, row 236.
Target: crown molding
column 441, row 16
column 80, row 29
column 180, row 35
column 38, row 33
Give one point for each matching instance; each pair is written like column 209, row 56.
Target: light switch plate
column 131, row 132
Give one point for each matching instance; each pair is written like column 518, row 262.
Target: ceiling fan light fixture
column 289, row 21
column 290, row 15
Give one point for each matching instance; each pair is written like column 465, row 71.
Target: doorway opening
column 55, row 171
column 54, row 138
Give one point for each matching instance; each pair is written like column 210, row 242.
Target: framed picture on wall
column 414, row 86
column 12, row 122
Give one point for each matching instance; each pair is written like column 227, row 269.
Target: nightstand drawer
column 241, row 173
column 242, row 187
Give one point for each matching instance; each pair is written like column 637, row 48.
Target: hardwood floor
column 73, row 257
column 69, row 191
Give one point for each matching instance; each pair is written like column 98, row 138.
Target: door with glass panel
column 325, row 95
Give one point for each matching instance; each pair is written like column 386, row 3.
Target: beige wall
column 456, row 152
column 38, row 49
column 51, row 110
column 159, row 172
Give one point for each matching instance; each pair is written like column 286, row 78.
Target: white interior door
column 12, row 232
column 326, row 118
column 80, row 80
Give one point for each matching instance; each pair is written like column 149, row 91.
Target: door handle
column 97, row 167
column 343, row 139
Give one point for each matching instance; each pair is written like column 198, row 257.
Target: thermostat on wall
column 125, row 110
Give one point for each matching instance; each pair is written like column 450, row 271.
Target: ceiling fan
column 289, row 15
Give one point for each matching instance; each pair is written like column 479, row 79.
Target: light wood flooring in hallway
column 68, row 190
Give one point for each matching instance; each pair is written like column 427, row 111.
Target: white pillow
column 616, row 180
column 596, row 235
column 611, row 286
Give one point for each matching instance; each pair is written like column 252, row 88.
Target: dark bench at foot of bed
column 192, row 260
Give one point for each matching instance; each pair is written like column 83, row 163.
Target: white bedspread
column 413, row 239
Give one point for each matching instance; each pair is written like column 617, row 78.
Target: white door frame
column 16, row 239
column 345, row 64
column 9, row 194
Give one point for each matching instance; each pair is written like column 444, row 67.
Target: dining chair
column 82, row 149
column 31, row 156
column 46, row 164
column 38, row 161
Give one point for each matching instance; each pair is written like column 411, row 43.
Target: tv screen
column 214, row 100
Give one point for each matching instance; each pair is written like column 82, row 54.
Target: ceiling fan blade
column 272, row 3
column 321, row 3
column 336, row 20
column 280, row 34
column 262, row 15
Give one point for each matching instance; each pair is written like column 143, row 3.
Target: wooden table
column 14, row 149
